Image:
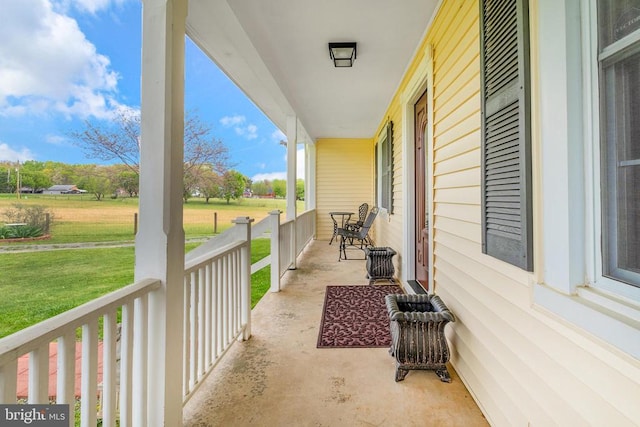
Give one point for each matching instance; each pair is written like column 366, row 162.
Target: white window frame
column 569, row 280
column 382, row 138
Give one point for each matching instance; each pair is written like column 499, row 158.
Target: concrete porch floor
column 280, row 378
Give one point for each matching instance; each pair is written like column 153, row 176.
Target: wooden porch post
column 275, row 250
column 160, row 239
column 292, row 144
column 310, row 176
column 245, row 274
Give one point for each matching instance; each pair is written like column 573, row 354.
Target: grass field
column 38, row 285
column 81, row 218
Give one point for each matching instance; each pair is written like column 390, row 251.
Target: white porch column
column 310, row 176
column 292, row 145
column 292, row 148
column 275, row 250
column 160, row 239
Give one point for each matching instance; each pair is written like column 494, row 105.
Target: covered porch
column 279, row 377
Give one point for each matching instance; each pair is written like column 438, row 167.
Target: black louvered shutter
column 506, row 145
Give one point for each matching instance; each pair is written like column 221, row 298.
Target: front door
column 421, row 214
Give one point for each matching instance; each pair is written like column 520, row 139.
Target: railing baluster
column 66, row 378
column 201, row 322
column 193, row 337
column 140, row 356
column 9, row 381
column 220, row 306
column 186, row 334
column 207, row 320
column 126, row 365
column 39, row 375
column 225, row 303
column 109, row 372
column 89, row 373
column 235, row 271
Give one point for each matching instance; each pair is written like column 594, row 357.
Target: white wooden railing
column 305, row 229
column 218, row 287
column 217, row 308
column 62, row 330
column 217, row 298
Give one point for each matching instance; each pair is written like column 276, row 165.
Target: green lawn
column 39, row 285
column 81, row 218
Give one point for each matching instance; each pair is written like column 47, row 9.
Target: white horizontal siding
column 344, row 179
column 522, row 365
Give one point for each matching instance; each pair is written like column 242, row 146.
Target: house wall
column 523, row 365
column 344, row 177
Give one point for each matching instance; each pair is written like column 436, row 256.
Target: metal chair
column 362, row 215
column 361, row 235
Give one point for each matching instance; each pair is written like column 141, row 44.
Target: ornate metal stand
column 379, row 264
column 417, row 333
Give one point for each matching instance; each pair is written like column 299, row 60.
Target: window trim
column 384, row 142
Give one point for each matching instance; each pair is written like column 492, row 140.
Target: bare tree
column 121, row 142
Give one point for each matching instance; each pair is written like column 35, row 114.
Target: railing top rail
column 287, row 222
column 259, row 228
column 28, row 339
column 198, row 261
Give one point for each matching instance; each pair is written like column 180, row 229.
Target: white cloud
column 283, row 175
column 48, row 65
column 232, row 120
column 269, row 176
column 249, row 131
column 89, row 6
column 57, row 140
column 252, row 132
column 8, row 153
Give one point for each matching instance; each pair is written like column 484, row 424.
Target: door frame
column 421, row 81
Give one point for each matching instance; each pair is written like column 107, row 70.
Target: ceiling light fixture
column 342, row 53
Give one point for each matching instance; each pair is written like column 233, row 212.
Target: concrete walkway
column 280, row 378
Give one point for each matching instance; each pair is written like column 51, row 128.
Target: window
column 506, row 146
column 384, row 168
column 619, row 86
column 587, row 81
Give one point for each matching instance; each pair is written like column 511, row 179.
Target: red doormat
column 356, row 316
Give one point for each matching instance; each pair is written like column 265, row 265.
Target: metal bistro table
column 344, row 217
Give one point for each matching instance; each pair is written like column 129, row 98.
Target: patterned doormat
column 356, row 316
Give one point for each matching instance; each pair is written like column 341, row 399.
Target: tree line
column 118, row 180
column 208, row 171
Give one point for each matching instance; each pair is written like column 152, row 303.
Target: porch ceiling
column 276, row 52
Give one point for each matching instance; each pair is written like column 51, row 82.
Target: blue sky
column 66, row 61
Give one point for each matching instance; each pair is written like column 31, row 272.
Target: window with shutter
column 506, row 146
column 384, row 168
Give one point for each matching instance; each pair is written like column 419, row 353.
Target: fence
column 216, row 307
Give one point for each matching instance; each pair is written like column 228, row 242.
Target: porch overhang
column 276, row 52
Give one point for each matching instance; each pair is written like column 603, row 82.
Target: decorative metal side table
column 417, row 334
column 379, row 264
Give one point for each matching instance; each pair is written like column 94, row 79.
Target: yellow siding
column 344, row 177
column 523, row 366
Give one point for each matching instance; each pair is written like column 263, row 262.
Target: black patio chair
column 359, row 238
column 362, row 215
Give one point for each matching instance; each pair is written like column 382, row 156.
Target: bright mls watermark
column 34, row 415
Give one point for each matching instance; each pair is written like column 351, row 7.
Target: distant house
column 63, row 189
